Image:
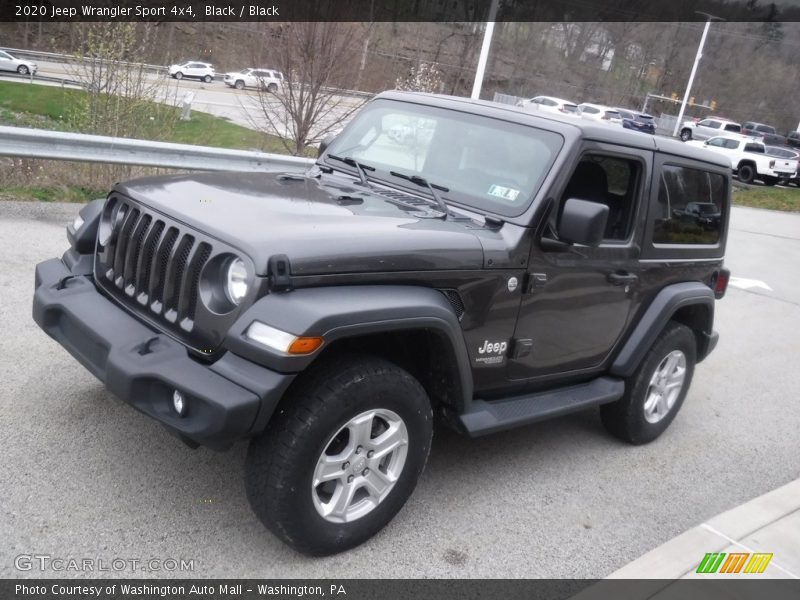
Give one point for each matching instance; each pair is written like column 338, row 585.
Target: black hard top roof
column 590, row 130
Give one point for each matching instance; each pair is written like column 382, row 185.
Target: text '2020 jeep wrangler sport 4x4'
column 490, row 266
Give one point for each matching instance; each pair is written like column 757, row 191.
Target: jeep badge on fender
column 438, row 236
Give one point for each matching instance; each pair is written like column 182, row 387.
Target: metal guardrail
column 58, row 145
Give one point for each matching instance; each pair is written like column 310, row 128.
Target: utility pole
column 487, row 41
column 697, row 58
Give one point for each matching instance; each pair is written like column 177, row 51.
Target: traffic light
column 713, row 105
column 691, row 101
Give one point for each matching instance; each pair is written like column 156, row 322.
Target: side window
column 718, row 142
column 730, row 144
column 733, row 127
column 689, row 207
column 609, row 180
column 756, row 148
column 711, row 124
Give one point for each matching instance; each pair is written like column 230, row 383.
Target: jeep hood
column 323, row 225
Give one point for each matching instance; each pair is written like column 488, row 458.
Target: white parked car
column 749, row 158
column 10, row 63
column 708, row 128
column 600, row 113
column 265, row 79
column 550, row 104
column 194, row 69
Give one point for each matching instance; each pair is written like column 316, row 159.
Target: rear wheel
column 746, row 173
column 341, row 456
column 208, row 78
column 686, row 135
column 655, row 392
column 272, row 88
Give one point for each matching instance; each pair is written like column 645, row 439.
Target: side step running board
column 487, row 417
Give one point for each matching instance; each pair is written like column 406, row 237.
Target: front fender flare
column 335, row 313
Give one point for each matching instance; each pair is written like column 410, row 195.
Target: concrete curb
column 743, row 528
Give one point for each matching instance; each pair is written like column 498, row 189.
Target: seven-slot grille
column 151, row 264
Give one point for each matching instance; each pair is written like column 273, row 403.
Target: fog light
column 179, row 403
column 77, row 223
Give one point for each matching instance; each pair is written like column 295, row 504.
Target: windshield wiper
column 422, row 182
column 360, row 168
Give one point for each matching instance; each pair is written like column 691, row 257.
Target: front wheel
column 208, row 78
column 655, row 392
column 23, row 70
column 239, row 85
column 342, row 455
column 686, row 135
column 178, row 75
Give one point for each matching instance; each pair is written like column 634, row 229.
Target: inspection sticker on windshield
column 505, row 193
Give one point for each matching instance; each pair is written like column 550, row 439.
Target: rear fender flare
column 663, row 307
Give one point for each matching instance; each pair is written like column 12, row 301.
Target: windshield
column 484, row 163
column 644, row 118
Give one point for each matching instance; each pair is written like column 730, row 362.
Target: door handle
column 621, row 278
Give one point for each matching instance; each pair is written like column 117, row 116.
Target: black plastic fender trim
column 666, row 303
column 335, row 313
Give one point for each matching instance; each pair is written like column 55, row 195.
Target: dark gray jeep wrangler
column 444, row 257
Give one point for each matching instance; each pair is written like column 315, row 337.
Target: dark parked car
column 766, row 132
column 793, row 139
column 506, row 268
column 637, row 121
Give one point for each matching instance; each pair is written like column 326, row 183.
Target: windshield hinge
column 279, row 271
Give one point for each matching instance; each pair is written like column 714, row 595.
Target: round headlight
column 236, row 281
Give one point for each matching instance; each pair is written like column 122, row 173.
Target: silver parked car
column 21, row 66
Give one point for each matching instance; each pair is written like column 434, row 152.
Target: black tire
column 178, row 75
column 625, row 418
column 208, row 79
column 746, row 173
column 272, row 88
column 280, row 464
column 686, row 135
column 239, row 85
column 23, row 70
column 769, row 180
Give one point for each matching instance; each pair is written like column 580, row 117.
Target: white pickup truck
column 749, row 159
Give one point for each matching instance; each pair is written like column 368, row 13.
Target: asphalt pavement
column 85, row 476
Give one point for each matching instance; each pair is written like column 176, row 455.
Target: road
column 241, row 107
column 84, row 475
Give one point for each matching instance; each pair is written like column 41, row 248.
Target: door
column 6, row 64
column 577, row 303
column 707, row 128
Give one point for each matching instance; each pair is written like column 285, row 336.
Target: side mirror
column 583, row 222
column 323, row 145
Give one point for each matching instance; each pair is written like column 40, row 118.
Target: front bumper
column 228, row 400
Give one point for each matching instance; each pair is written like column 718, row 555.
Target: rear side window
column 733, row 127
column 689, row 207
column 591, row 110
column 756, row 148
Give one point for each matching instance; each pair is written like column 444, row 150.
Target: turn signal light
column 304, row 345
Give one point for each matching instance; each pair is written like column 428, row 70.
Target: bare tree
column 123, row 98
column 317, row 59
